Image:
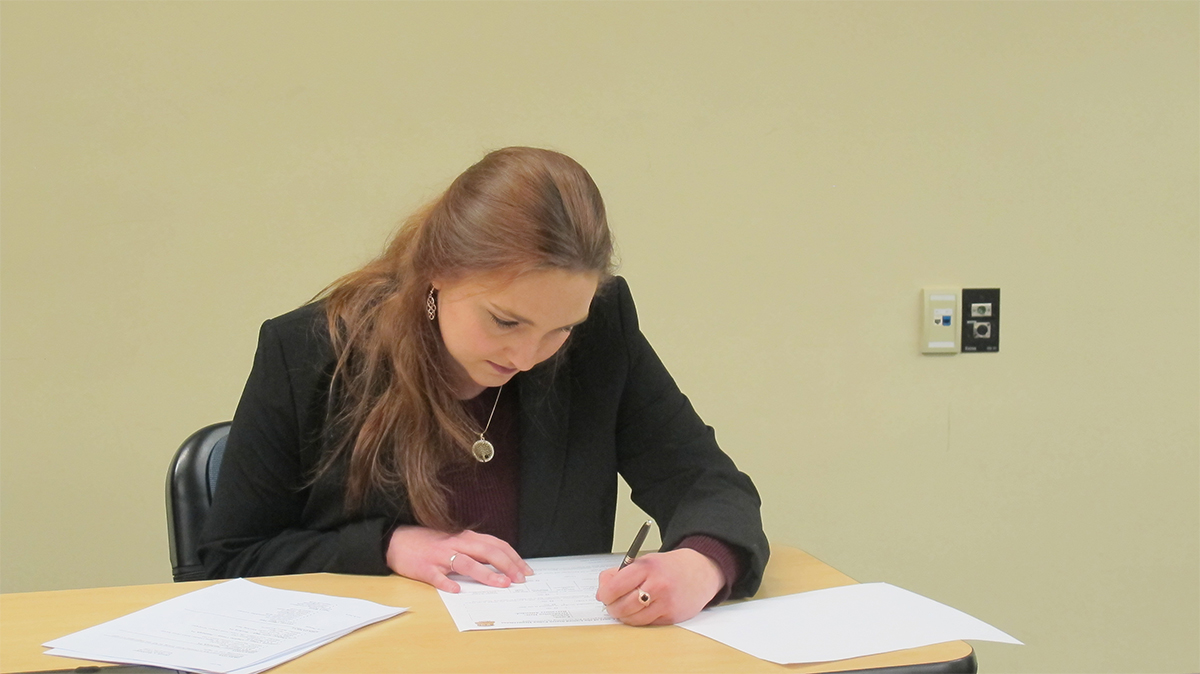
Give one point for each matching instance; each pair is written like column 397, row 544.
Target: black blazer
column 605, row 405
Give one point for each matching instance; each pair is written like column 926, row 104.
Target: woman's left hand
column 660, row 588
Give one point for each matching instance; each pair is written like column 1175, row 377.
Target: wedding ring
column 452, row 558
column 644, row 597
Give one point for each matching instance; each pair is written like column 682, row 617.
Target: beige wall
column 783, row 179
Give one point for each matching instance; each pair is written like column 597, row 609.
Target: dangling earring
column 431, row 305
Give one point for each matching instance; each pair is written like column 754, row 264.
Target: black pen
column 637, row 544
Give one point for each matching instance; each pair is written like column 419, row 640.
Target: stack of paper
column 237, row 627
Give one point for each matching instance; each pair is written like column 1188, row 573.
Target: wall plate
column 981, row 320
column 939, row 320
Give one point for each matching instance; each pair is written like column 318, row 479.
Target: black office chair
column 191, row 482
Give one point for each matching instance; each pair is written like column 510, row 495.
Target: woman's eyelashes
column 501, row 322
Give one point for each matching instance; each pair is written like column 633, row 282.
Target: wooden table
column 425, row 640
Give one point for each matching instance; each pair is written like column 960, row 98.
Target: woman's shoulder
column 610, row 322
column 612, row 308
column 305, row 328
column 301, row 317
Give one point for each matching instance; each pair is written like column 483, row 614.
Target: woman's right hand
column 424, row 554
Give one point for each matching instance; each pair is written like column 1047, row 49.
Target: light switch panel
column 939, row 320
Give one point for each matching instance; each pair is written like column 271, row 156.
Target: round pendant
column 483, row 451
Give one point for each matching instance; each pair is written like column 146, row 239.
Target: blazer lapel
column 544, row 415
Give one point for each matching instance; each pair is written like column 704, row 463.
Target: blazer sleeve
column 675, row 469
column 266, row 517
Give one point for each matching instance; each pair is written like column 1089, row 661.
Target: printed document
column 839, row 623
column 561, row 592
column 236, row 627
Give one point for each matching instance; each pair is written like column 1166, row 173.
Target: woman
column 466, row 401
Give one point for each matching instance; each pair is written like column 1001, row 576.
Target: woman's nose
column 525, row 355
column 530, row 352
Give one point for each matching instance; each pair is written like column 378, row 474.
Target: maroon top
column 484, row 497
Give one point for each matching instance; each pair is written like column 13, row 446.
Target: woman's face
column 495, row 326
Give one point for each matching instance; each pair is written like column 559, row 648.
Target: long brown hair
column 395, row 414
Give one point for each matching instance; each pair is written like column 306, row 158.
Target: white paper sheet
column 561, row 592
column 839, row 623
column 236, row 627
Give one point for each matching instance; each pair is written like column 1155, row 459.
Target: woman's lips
column 503, row 370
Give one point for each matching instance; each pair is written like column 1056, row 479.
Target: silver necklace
column 482, row 449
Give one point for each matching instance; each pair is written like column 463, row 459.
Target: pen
column 637, row 544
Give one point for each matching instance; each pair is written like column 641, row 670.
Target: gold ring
column 452, row 558
column 644, row 597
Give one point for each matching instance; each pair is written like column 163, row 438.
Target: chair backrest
column 191, row 482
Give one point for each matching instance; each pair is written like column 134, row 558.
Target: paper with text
column 236, row 627
column 561, row 592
